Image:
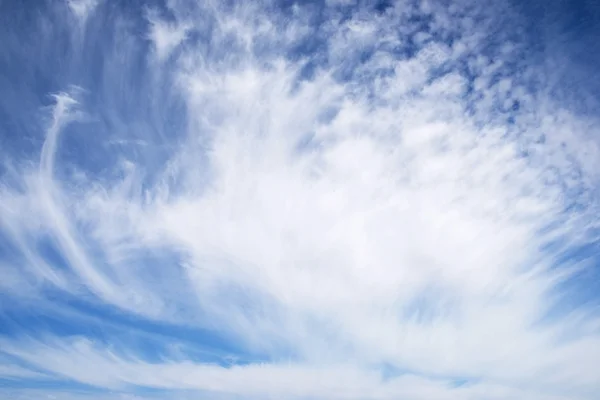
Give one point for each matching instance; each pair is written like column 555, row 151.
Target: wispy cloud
column 356, row 201
column 107, row 369
column 166, row 37
column 82, row 9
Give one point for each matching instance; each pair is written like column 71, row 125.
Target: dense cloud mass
column 295, row 200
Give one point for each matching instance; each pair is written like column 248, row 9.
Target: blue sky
column 299, row 200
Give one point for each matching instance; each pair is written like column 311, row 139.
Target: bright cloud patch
column 304, row 201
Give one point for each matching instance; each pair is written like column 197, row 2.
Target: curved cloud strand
column 268, row 200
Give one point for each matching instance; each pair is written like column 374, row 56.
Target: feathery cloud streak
column 299, row 201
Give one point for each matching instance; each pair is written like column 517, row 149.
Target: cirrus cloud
column 299, row 201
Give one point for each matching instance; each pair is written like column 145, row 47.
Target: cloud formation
column 272, row 200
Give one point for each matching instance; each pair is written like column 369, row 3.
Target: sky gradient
column 299, row 200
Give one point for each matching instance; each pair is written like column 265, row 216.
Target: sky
column 329, row 199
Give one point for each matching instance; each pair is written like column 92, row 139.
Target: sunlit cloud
column 295, row 201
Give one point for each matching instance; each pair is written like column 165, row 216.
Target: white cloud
column 82, row 9
column 15, row 372
column 107, row 369
column 166, row 36
column 358, row 217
